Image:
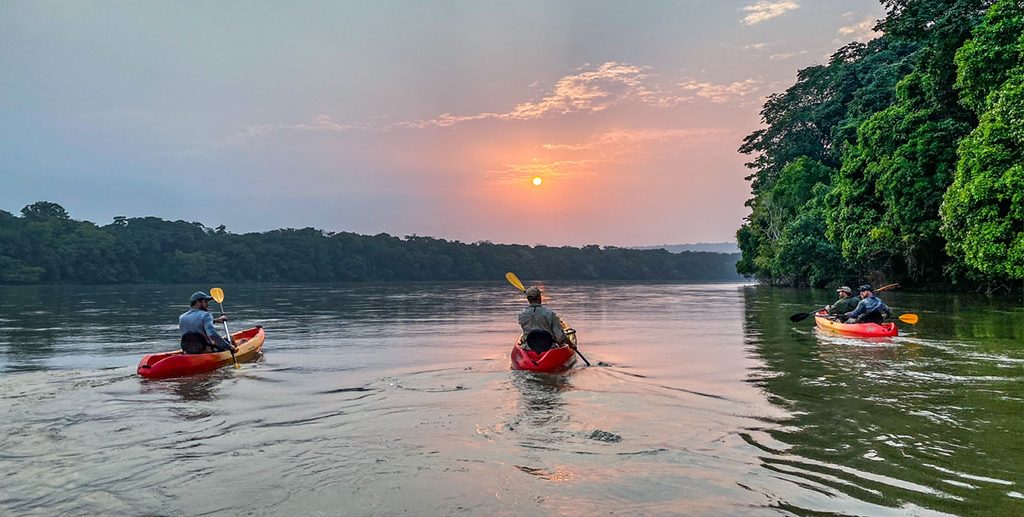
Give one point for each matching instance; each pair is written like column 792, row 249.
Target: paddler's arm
column 218, row 342
column 558, row 329
column 861, row 307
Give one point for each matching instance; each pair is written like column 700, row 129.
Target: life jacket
column 195, row 343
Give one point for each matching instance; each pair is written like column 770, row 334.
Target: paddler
column 846, row 302
column 870, row 309
column 198, row 335
column 542, row 328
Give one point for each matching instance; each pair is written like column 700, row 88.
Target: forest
column 45, row 245
column 900, row 160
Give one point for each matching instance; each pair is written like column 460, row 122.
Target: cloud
column 785, row 55
column 754, row 46
column 320, row 123
column 720, row 93
column 590, row 89
column 586, row 91
column 765, row 10
column 511, row 173
column 616, row 146
column 863, row 31
column 631, row 137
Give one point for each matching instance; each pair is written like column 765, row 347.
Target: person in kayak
column 542, row 328
column 871, row 309
column 198, row 335
column 846, row 303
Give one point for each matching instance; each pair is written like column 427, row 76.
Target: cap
column 845, row 289
column 533, row 292
column 199, row 295
column 865, row 287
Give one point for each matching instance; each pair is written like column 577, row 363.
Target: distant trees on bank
column 901, row 159
column 44, row 245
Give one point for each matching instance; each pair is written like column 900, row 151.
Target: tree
column 983, row 210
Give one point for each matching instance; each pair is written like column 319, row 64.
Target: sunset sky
column 428, row 118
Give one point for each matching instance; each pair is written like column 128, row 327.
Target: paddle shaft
column 577, row 350
column 803, row 315
column 234, row 358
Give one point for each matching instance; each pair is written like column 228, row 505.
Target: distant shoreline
column 46, row 246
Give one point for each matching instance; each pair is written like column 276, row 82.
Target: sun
column 537, row 181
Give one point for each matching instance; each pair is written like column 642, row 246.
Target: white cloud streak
column 320, row 123
column 721, row 93
column 786, row 55
column 863, row 31
column 766, row 10
column 590, row 89
column 587, row 91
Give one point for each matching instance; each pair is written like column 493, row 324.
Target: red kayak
column 855, row 329
column 554, row 360
column 178, row 363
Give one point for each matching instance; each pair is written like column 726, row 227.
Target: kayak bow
column 178, row 363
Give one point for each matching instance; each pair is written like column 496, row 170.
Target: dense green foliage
column 902, row 159
column 46, row 245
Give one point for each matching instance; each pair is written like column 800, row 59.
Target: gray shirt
column 198, row 321
column 539, row 317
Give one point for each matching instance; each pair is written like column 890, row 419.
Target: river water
column 397, row 399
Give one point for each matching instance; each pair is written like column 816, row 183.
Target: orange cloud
column 617, row 146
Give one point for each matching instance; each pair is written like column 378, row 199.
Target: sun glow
column 537, row 181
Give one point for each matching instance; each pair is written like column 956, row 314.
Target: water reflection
column 392, row 400
column 194, row 388
column 541, row 414
column 885, row 422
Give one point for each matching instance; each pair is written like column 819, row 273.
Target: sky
column 404, row 117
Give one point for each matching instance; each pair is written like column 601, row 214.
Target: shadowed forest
column 44, row 245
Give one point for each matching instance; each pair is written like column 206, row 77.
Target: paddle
column 218, row 296
column 804, row 315
column 514, row 280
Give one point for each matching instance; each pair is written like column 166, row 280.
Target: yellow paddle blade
column 218, row 294
column 909, row 318
column 512, row 279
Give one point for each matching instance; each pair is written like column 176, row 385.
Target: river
column 397, row 399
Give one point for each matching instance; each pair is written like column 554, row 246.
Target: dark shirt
column 869, row 305
column 844, row 305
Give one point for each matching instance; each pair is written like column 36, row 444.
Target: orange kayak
column 178, row 363
column 855, row 329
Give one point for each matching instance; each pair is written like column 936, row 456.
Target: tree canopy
column 902, row 159
column 45, row 245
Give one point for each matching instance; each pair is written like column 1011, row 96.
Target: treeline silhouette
column 900, row 160
column 44, row 245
